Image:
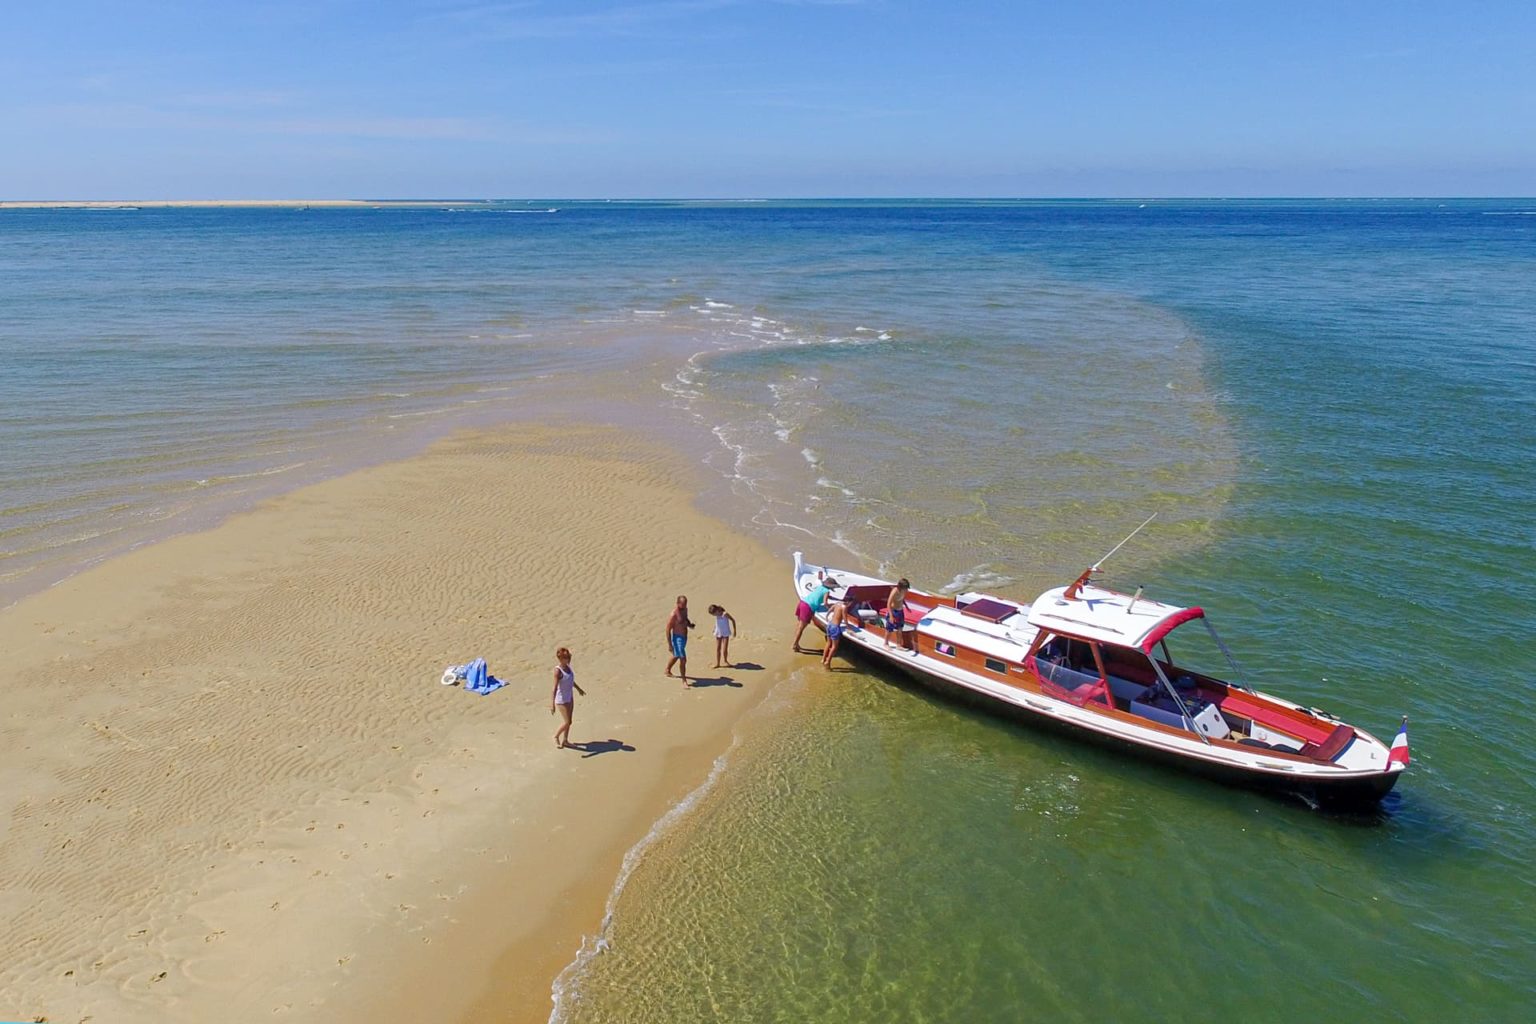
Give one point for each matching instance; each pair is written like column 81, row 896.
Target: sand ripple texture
column 234, row 787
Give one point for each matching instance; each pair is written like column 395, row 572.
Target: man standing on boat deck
column 678, row 626
column 896, row 613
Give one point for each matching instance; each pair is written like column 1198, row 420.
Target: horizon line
column 438, row 201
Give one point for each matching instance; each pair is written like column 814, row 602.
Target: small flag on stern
column 1399, row 752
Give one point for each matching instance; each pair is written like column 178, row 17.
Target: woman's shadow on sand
column 591, row 748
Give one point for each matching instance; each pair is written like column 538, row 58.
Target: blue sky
column 732, row 98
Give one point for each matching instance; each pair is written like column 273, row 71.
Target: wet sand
column 234, row 788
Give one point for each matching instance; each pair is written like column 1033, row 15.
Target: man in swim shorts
column 678, row 626
column 896, row 613
column 837, row 625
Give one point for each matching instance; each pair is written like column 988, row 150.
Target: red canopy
column 1168, row 625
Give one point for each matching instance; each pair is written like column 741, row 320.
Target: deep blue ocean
column 1329, row 404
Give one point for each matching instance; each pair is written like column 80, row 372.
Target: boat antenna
column 1072, row 592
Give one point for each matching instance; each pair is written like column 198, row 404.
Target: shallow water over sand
column 168, row 366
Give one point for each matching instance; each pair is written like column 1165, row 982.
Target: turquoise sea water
column 1328, row 403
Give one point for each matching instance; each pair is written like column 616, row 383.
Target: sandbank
column 298, row 204
column 233, row 787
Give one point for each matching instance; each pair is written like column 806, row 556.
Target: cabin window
column 945, row 649
column 1065, row 651
column 997, row 666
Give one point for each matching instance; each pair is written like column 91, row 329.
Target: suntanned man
column 678, row 626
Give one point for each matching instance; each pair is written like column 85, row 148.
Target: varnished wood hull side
column 1351, row 793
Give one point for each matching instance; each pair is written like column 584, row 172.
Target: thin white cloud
column 816, row 103
column 240, row 99
column 534, row 20
column 189, row 116
column 462, row 128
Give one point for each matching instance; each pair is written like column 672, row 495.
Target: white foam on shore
column 746, row 445
column 843, row 541
column 739, row 453
column 685, row 384
column 594, row 945
column 269, row 471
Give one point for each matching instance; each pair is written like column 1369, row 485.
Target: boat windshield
column 1192, row 649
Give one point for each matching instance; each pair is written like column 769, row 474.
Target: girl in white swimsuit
column 725, row 628
column 562, row 696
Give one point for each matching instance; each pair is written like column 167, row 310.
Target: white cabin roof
column 989, row 638
column 1109, row 617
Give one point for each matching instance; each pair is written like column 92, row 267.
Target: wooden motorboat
column 1096, row 663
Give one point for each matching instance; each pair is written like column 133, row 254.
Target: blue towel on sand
column 477, row 678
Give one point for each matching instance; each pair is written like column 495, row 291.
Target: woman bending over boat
column 814, row 602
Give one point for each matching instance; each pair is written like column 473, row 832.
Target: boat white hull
column 1328, row 784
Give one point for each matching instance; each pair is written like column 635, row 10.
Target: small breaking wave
column 983, row 576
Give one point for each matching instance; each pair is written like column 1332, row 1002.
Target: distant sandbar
column 299, row 204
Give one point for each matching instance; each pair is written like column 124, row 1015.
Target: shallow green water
column 1367, row 542
column 875, row 854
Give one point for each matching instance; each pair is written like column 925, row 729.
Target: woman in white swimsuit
column 562, row 696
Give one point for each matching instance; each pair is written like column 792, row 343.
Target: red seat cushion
column 1331, row 747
